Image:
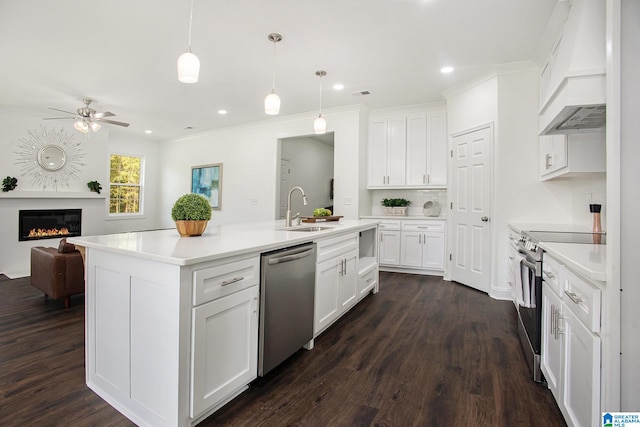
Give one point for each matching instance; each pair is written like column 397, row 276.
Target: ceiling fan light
column 81, row 126
column 320, row 125
column 272, row 104
column 188, row 67
column 94, row 126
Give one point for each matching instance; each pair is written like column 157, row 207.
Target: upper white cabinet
column 566, row 155
column 408, row 150
column 387, row 150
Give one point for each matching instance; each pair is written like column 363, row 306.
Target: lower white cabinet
column 552, row 341
column 415, row 244
column 581, row 395
column 571, row 344
column 336, row 280
column 224, row 348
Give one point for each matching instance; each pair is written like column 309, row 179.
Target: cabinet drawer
column 583, row 299
column 224, row 279
column 389, row 225
column 336, row 246
column 551, row 274
column 437, row 226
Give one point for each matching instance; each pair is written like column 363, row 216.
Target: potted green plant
column 395, row 207
column 191, row 213
column 9, row 183
column 94, row 186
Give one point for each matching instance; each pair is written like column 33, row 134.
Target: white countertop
column 588, row 260
column 411, row 217
column 519, row 227
column 218, row 241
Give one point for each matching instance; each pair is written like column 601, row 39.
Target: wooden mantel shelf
column 51, row 195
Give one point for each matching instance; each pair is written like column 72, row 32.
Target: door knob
column 484, row 219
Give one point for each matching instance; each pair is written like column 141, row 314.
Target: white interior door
column 470, row 214
column 285, row 172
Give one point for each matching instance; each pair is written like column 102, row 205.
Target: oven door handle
column 531, row 265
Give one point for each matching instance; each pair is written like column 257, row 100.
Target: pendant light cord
column 190, row 22
column 273, row 68
column 320, row 109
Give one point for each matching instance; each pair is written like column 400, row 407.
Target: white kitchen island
column 172, row 322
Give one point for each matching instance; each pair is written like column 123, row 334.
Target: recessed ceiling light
column 222, row 112
column 338, row 86
column 148, row 131
column 446, row 70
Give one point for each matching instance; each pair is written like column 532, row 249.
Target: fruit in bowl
column 321, row 212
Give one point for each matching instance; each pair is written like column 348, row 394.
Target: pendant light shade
column 272, row 104
column 272, row 101
column 188, row 67
column 320, row 124
column 188, row 63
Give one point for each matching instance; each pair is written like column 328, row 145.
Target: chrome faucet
column 288, row 220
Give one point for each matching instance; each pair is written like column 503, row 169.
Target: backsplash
column 417, row 198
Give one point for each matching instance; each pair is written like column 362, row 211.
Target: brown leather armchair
column 59, row 273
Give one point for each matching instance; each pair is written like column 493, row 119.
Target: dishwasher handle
column 286, row 258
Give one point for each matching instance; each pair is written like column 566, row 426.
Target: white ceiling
column 123, row 54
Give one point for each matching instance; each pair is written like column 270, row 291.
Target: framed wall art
column 207, row 180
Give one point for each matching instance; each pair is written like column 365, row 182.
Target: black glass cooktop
column 567, row 237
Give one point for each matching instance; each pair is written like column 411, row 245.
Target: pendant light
column 320, row 124
column 272, row 101
column 188, row 63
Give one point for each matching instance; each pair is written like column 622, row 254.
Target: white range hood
column 573, row 82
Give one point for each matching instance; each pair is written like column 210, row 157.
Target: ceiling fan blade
column 68, row 112
column 105, row 114
column 58, row 118
column 113, row 122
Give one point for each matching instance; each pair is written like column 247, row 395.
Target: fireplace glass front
column 49, row 223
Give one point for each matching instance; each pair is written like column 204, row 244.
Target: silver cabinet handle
column 424, row 178
column 293, row 257
column 547, row 161
column 428, row 179
column 573, row 297
column 484, row 219
column 552, row 329
column 234, row 280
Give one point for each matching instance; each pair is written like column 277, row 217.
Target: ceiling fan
column 87, row 118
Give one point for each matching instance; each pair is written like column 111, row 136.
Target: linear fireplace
column 49, row 223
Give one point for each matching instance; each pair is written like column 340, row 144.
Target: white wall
column 311, row 165
column 250, row 155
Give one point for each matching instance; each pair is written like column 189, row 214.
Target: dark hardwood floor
column 422, row 352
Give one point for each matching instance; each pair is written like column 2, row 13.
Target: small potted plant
column 191, row 213
column 9, row 183
column 94, row 186
column 395, row 207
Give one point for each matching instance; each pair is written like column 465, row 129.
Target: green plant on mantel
column 9, row 183
column 392, row 203
column 94, row 186
column 191, row 207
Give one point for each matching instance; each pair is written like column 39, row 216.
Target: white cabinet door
column 552, row 341
column 411, row 249
column 347, row 281
column 224, row 348
column 417, row 149
column 433, row 251
column 389, row 248
column 553, row 153
column 581, row 399
column 396, row 151
column 377, row 162
column 326, row 295
column 437, row 148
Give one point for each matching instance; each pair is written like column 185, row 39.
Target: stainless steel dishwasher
column 287, row 288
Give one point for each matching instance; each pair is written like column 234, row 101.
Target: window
column 125, row 187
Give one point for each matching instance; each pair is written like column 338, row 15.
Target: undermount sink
column 307, row 229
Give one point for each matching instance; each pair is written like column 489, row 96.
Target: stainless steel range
column 529, row 287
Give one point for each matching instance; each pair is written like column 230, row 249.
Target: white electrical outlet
column 347, row 200
column 253, row 202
